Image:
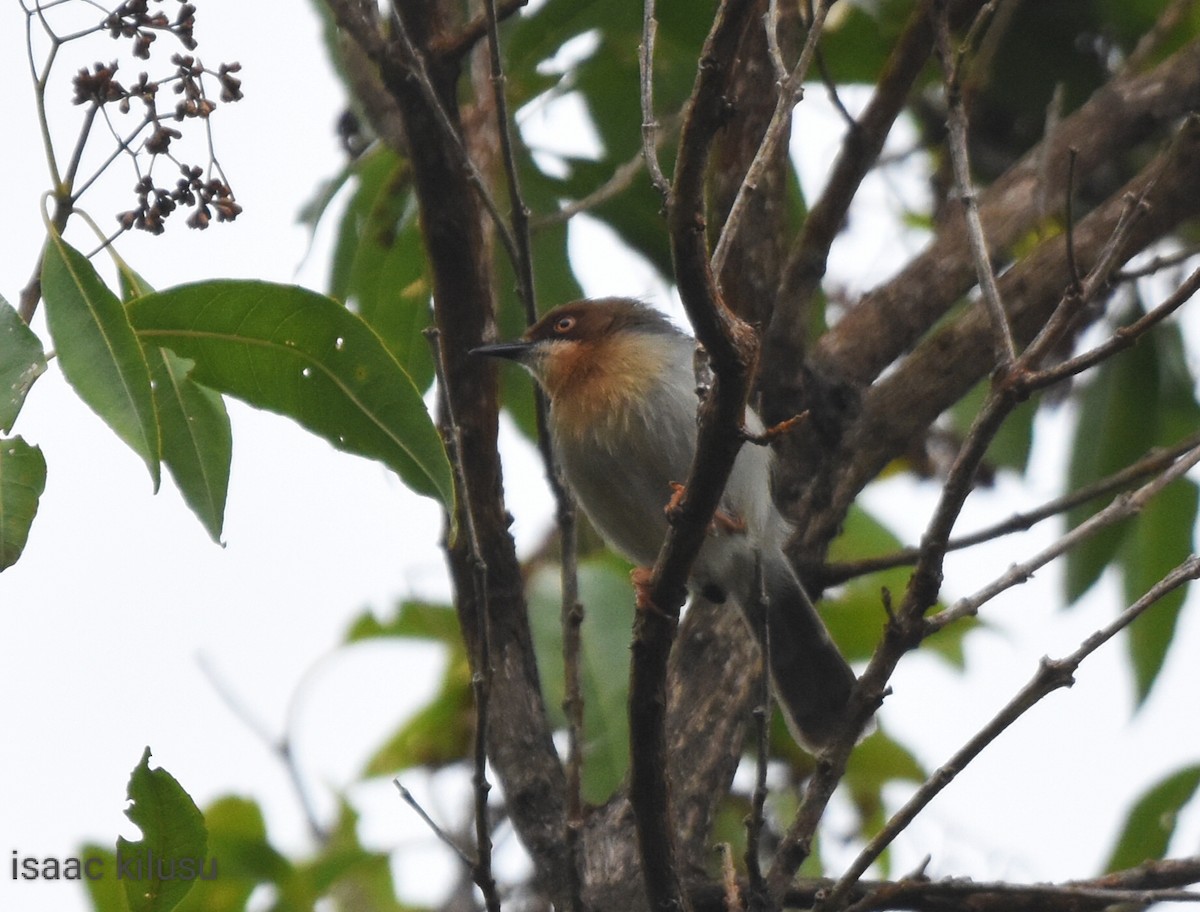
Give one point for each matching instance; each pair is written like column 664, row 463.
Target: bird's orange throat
column 594, row 385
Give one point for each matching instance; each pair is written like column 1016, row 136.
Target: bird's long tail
column 812, row 680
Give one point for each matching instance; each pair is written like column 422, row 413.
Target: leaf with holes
column 22, row 480
column 299, row 353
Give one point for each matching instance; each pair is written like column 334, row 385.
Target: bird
column 619, row 379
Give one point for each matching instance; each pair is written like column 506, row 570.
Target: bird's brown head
column 587, row 353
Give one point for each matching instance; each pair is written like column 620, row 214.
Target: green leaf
column 607, row 598
column 299, row 353
column 160, row 869
column 98, row 349
column 237, row 839
column 22, row 481
column 196, row 438
column 440, row 732
column 105, row 890
column 21, row 362
column 1012, row 444
column 413, row 620
column 356, row 877
column 876, row 763
column 854, row 612
column 1136, row 401
column 1159, row 540
column 380, row 267
column 1151, row 821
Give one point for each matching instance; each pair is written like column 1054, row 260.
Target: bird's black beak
column 513, row 351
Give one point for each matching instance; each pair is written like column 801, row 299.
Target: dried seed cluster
column 143, row 21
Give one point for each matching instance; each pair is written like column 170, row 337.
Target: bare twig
column 1155, row 461
column 1122, row 338
column 1121, row 508
column 1157, row 264
column 415, row 67
column 1175, row 14
column 481, row 870
column 731, row 348
column 1006, row 349
column 621, row 180
column 281, row 747
column 443, row 837
column 791, row 90
column 762, row 727
column 649, row 123
column 1052, row 674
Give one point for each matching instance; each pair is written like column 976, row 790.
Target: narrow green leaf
column 1116, row 424
column 98, row 349
column 299, row 353
column 159, row 869
column 22, row 480
column 197, row 442
column 1160, row 539
column 1151, row 821
column 21, row 362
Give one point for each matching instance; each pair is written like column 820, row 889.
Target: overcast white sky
column 120, row 592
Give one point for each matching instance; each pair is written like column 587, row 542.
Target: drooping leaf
column 22, row 361
column 1151, row 821
column 22, row 481
column 1160, row 539
column 98, row 349
column 197, row 441
column 1117, row 423
column 174, row 842
column 293, row 351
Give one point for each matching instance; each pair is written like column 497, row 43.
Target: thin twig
column 762, row 727
column 1157, row 264
column 650, row 125
column 1121, row 508
column 791, row 90
column 415, row 66
column 1121, row 339
column 1052, row 674
column 481, row 870
column 444, row 837
column 280, row 746
column 956, row 122
column 833, row 574
column 621, row 180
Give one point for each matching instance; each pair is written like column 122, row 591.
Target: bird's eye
column 564, row 324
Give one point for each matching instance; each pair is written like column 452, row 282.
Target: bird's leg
column 721, row 521
column 775, row 430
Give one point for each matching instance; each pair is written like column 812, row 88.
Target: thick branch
column 453, row 224
column 947, row 364
column 890, row 319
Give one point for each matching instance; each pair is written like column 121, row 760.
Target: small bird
column 623, row 402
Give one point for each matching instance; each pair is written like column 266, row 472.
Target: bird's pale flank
column 621, row 386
